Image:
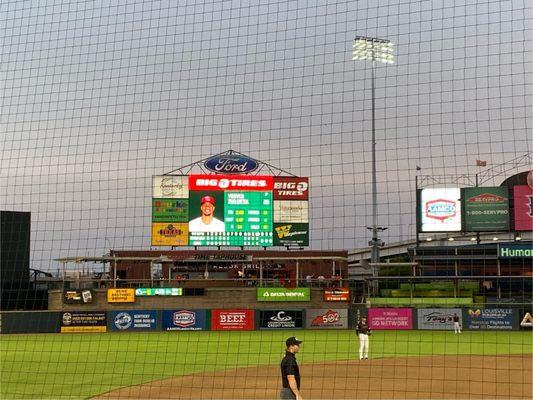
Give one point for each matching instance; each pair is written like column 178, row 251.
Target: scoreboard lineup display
column 229, row 210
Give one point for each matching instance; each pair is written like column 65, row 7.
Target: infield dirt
column 427, row 377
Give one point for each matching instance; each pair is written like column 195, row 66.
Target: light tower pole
column 373, row 49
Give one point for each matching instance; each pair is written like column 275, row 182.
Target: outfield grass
column 84, row 365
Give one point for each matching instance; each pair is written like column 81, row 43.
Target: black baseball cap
column 292, row 341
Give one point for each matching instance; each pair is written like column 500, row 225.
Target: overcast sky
column 98, row 96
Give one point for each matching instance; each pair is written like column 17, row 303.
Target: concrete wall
column 213, row 298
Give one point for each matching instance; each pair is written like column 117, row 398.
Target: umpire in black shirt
column 290, row 373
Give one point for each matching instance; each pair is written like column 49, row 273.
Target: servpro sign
column 283, row 294
column 486, row 209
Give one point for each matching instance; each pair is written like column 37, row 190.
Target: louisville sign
column 170, row 234
column 490, row 319
column 486, row 209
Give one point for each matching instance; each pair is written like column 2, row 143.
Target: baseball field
column 403, row 364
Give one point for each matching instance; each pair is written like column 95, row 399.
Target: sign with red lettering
column 232, row 320
column 291, row 188
column 231, row 182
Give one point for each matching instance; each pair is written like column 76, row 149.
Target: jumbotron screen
column 230, row 210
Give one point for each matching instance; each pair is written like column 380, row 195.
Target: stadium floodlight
column 381, row 50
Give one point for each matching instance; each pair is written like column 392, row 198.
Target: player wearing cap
column 363, row 331
column 207, row 221
column 290, row 373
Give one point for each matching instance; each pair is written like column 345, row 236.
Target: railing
column 90, row 283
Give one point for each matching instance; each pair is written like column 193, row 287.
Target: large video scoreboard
column 230, row 210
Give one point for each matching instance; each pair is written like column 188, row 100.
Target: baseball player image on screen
column 207, row 221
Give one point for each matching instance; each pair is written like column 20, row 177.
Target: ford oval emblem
column 231, row 164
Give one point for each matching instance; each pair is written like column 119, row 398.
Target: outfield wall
column 281, row 316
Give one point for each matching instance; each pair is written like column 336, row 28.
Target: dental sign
column 230, row 209
column 440, row 210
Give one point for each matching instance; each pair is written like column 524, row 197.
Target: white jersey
column 197, row 225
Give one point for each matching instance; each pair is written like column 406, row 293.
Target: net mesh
column 99, row 96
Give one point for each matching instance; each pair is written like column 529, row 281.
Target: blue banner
column 489, row 318
column 184, row 320
column 133, row 320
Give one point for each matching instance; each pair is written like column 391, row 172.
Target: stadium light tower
column 373, row 49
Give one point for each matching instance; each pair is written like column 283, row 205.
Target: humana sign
column 515, row 251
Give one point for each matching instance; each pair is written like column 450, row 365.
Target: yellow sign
column 120, row 295
column 71, row 329
column 170, row 234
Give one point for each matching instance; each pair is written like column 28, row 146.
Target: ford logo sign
column 231, row 164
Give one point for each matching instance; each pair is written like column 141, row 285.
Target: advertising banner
column 142, row 292
column 170, row 234
column 526, row 318
column 133, row 320
column 170, row 187
column 390, row 318
column 440, row 210
column 184, row 320
column 121, row 295
column 337, row 294
column 232, row 320
column 523, row 208
column 231, row 214
column 291, row 188
column 231, row 182
column 489, row 318
column 77, row 297
column 281, row 319
column 288, row 234
column 513, row 250
column 290, row 211
column 83, row 321
column 438, row 318
column 486, row 209
column 326, row 318
column 283, row 294
column 170, row 210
